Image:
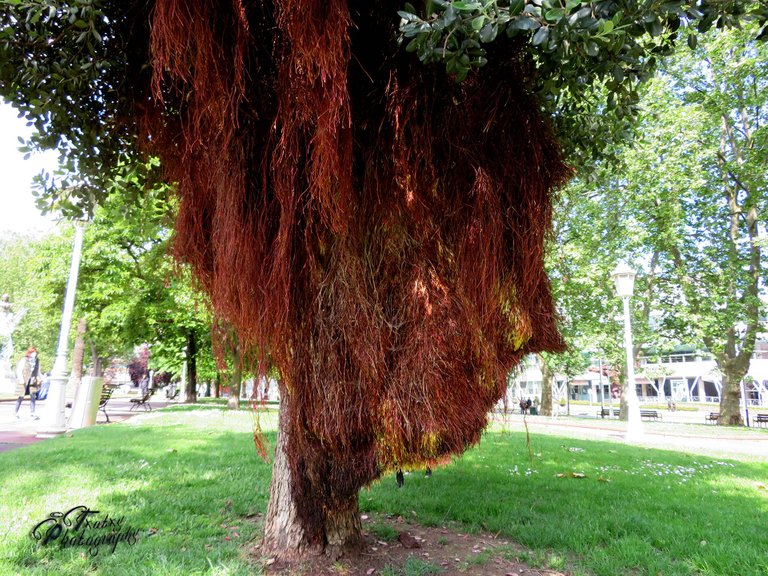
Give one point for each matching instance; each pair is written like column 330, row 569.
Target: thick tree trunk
column 546, row 389
column 284, row 537
column 730, row 410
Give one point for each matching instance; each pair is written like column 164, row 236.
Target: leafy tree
column 374, row 225
column 33, row 272
column 595, row 228
column 701, row 199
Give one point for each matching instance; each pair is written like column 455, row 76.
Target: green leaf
column 488, row 33
column 478, row 22
column 554, row 15
column 523, row 23
column 541, row 36
column 466, row 6
column 516, row 6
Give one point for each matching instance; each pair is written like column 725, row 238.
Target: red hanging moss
column 374, row 225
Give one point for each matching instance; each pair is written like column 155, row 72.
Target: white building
column 685, row 375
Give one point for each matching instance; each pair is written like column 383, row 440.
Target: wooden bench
column 143, row 401
column 106, row 394
column 650, row 414
column 607, row 412
column 712, row 417
column 761, row 419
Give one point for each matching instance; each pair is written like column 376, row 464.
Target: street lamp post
column 54, row 421
column 624, row 277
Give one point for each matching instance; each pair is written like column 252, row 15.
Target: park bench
column 761, row 419
column 712, row 417
column 650, row 414
column 143, row 401
column 607, row 412
column 106, row 394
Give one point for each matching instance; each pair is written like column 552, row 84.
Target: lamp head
column 624, row 278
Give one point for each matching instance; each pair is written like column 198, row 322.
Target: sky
column 17, row 205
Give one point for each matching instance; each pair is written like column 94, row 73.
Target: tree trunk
column 235, row 382
column 191, row 367
column 623, row 405
column 76, row 375
column 284, row 537
column 546, row 389
column 79, row 352
column 730, row 410
column 97, row 365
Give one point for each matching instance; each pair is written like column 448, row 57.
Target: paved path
column 682, row 431
column 22, row 431
column 689, row 435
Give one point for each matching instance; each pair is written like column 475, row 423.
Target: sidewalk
column 689, row 434
column 22, row 431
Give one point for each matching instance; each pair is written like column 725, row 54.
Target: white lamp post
column 54, row 421
column 624, row 277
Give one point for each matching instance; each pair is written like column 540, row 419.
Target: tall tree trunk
column 546, row 388
column 284, row 537
column 97, row 365
column 623, row 405
column 730, row 410
column 76, row 375
column 191, row 367
column 79, row 352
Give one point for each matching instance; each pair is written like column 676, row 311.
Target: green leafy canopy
column 590, row 56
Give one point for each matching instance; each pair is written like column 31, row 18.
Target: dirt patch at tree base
column 394, row 547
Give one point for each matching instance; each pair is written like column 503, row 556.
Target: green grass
column 383, row 532
column 190, row 481
column 186, row 480
column 412, row 567
column 651, row 511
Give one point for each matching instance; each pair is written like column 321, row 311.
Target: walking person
column 27, row 383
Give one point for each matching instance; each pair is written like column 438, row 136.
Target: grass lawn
column 191, row 483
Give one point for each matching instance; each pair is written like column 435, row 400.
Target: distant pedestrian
column 27, row 382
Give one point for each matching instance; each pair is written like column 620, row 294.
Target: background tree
column 33, row 271
column 701, row 200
